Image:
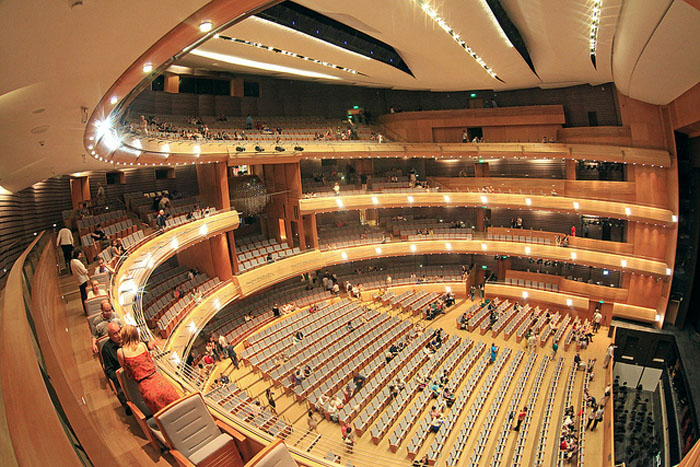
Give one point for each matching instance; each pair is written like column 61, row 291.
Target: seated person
column 449, row 397
column 101, row 321
column 435, row 389
column 99, row 235
column 95, row 290
column 102, row 267
column 436, row 423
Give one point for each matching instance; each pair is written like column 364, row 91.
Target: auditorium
column 278, row 233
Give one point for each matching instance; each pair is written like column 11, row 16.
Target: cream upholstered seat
column 138, row 407
column 274, row 454
column 192, row 435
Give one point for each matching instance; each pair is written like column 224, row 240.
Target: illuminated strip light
column 286, row 52
column 595, row 24
column 244, row 62
column 448, row 29
column 306, row 36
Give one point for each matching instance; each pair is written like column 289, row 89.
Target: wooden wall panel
column 28, row 211
column 644, row 121
column 649, row 240
column 643, row 290
column 617, row 135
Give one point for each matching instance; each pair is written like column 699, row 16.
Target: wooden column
column 571, row 169
column 232, row 251
column 310, row 230
column 220, row 256
column 213, row 185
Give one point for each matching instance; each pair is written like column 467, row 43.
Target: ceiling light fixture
column 206, row 26
column 113, row 100
column 244, row 62
column 276, row 50
column 147, row 68
column 448, row 29
column 595, row 24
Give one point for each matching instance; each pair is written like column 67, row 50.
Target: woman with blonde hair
column 133, row 356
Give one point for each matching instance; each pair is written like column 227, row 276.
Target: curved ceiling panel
column 657, row 45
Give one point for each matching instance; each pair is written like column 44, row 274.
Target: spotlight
column 240, row 149
column 113, row 100
column 298, row 148
column 206, row 26
column 147, row 68
column 259, row 148
column 279, row 149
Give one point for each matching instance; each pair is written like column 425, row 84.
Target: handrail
column 25, row 388
column 430, row 197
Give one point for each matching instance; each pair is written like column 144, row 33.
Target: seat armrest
column 230, row 431
column 181, row 460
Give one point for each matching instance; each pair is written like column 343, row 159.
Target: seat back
column 130, row 388
column 187, row 424
column 274, row 454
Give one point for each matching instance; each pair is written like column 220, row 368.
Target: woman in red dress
column 156, row 391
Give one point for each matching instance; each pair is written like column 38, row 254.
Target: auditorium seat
column 194, row 437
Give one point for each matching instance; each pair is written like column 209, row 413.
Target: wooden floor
column 368, row 454
column 124, row 434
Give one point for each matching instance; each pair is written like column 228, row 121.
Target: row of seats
column 378, row 372
column 562, row 329
column 155, row 312
column 547, row 415
column 119, row 229
column 475, row 411
column 523, row 316
column 549, row 328
column 172, row 317
column 237, row 402
column 481, row 315
column 506, row 318
column 529, row 323
column 533, row 284
column 512, row 410
column 259, row 256
column 568, row 396
column 531, row 403
column 421, row 434
column 582, row 427
column 368, row 341
column 88, row 223
column 572, row 332
column 273, row 336
column 542, row 240
column 321, row 335
column 395, row 405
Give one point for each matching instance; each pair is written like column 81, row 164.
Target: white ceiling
column 58, row 59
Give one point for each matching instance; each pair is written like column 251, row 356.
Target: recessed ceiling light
column 113, row 100
column 206, row 26
column 147, row 68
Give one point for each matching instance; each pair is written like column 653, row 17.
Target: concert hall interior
column 356, row 234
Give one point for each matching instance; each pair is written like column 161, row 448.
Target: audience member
column 80, row 273
column 156, row 391
column 65, row 241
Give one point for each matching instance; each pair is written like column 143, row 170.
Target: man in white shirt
column 597, row 318
column 65, row 241
column 80, row 273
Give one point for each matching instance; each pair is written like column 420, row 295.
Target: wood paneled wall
column 144, row 180
column 28, row 211
column 292, row 98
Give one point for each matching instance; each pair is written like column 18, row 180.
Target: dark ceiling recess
column 511, row 32
column 314, row 24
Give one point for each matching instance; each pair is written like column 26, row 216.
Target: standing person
column 271, row 400
column 494, row 352
column 156, row 391
column 336, row 188
column 591, row 417
column 609, row 354
column 65, row 241
column 598, row 417
column 231, row 352
column 222, row 342
column 311, row 421
column 160, row 220
column 555, row 347
column 597, row 318
column 80, row 273
column 521, row 417
column 349, row 439
column 531, row 343
column 573, row 231
column 276, row 311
